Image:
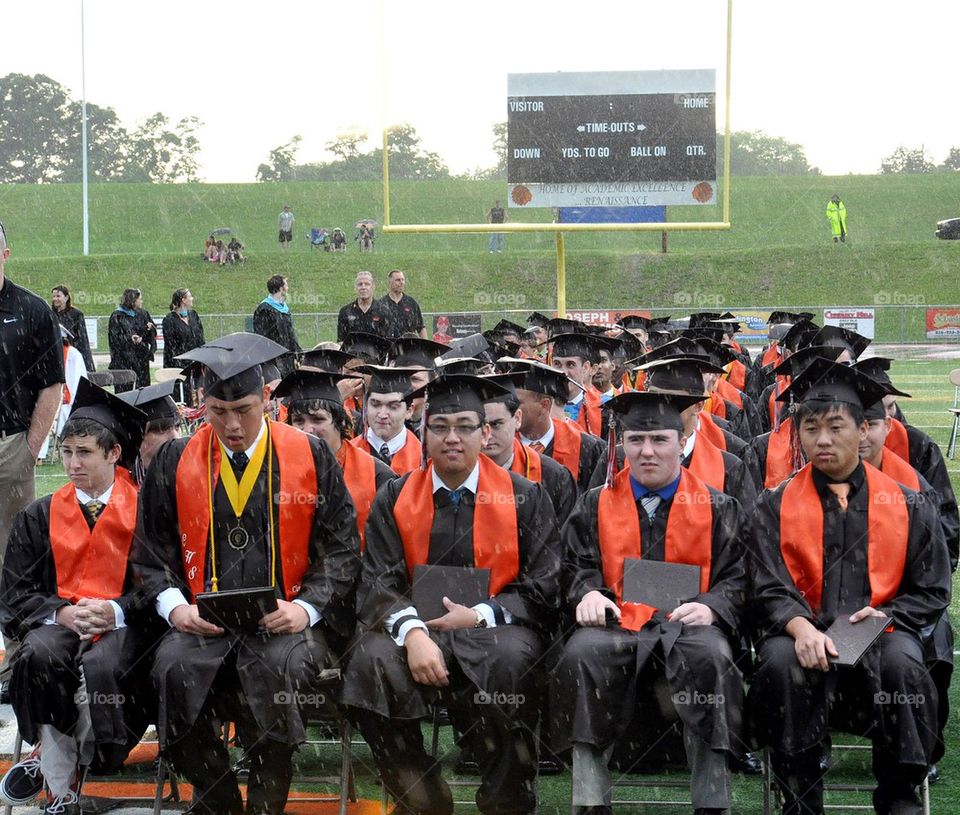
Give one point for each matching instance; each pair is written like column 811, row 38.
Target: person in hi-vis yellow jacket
column 837, row 215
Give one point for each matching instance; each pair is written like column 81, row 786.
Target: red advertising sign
column 943, row 322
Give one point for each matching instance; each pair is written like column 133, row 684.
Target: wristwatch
column 481, row 620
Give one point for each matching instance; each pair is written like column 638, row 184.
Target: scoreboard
column 633, row 138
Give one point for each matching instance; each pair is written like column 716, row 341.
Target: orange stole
column 716, row 405
column 496, row 539
column 737, row 374
column 899, row 470
column 711, row 431
column 897, row 439
column 407, row 458
column 566, row 446
column 640, row 381
column 706, row 463
column 779, row 455
column 526, row 462
column 770, row 356
column 589, row 418
column 729, row 392
column 801, row 535
column 93, row 563
column 67, row 398
column 360, row 476
column 297, row 478
column 783, row 382
column 688, row 540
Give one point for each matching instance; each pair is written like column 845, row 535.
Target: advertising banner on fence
column 449, row 327
column 861, row 320
column 943, row 322
column 603, row 316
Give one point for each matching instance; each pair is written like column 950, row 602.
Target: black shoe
column 747, row 764
column 933, row 774
column 549, row 765
column 598, row 810
column 22, row 782
column 68, row 804
column 5, row 692
column 466, row 765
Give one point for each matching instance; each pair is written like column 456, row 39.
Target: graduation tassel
column 423, row 434
column 776, row 404
column 611, row 452
column 363, row 408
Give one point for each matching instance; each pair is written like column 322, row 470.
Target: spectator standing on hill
column 72, row 319
column 837, row 215
column 133, row 339
column 405, row 315
column 364, row 313
column 285, row 225
column 272, row 319
column 31, row 383
column 182, row 328
column 496, row 215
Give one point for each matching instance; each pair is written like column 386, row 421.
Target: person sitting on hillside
column 222, row 253
column 234, row 254
column 338, row 240
column 210, row 251
column 364, row 237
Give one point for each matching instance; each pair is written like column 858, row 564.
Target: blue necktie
column 455, row 496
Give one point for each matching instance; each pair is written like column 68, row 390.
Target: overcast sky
column 849, row 81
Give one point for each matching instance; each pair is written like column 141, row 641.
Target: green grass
column 778, row 251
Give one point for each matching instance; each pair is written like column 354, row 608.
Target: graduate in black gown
column 163, row 423
column 841, row 538
column 244, row 503
column 77, row 687
column 460, row 510
column 622, row 652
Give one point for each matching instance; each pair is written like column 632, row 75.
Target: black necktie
column 240, row 461
column 385, row 452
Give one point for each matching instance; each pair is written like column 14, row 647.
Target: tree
column 907, row 160
column 35, row 129
column 107, row 145
column 347, row 145
column 754, row 152
column 161, row 153
column 282, row 162
column 952, row 161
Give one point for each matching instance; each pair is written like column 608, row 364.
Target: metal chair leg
column 952, row 447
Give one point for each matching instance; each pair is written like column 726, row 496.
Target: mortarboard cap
column 331, row 360
column 306, row 384
column 826, row 381
column 453, row 393
column 538, row 320
column 800, row 334
column 125, row 421
column 231, row 365
column 368, row 347
column 585, row 346
column 156, row 401
column 679, row 374
column 388, row 380
column 462, row 365
column 789, row 317
column 842, row 338
column 408, row 352
column 505, row 327
column 473, row 345
column 647, row 411
column 539, row 378
column 563, row 325
column 796, row 363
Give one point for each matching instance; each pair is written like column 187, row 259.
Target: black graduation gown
column 377, row 677
column 125, row 354
column 560, row 486
column 597, row 684
column 591, row 449
column 739, row 421
column 180, row 337
column 792, row 716
column 46, row 668
column 72, row 319
column 277, row 326
column 270, row 668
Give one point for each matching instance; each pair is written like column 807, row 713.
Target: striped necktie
column 385, row 452
column 650, row 502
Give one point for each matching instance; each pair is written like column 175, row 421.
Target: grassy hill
column 778, row 251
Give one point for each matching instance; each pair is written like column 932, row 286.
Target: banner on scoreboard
column 603, row 316
column 449, row 327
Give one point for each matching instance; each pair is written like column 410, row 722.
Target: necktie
column 94, row 508
column 537, row 447
column 455, row 496
column 240, row 461
column 841, row 491
column 385, row 452
column 650, row 502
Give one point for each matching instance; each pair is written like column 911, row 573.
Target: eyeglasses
column 461, row 430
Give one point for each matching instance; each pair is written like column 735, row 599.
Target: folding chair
column 955, row 410
column 103, row 379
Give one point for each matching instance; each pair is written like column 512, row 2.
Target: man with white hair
column 365, row 313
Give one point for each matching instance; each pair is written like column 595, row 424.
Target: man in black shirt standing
column 31, row 380
column 405, row 316
column 364, row 313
